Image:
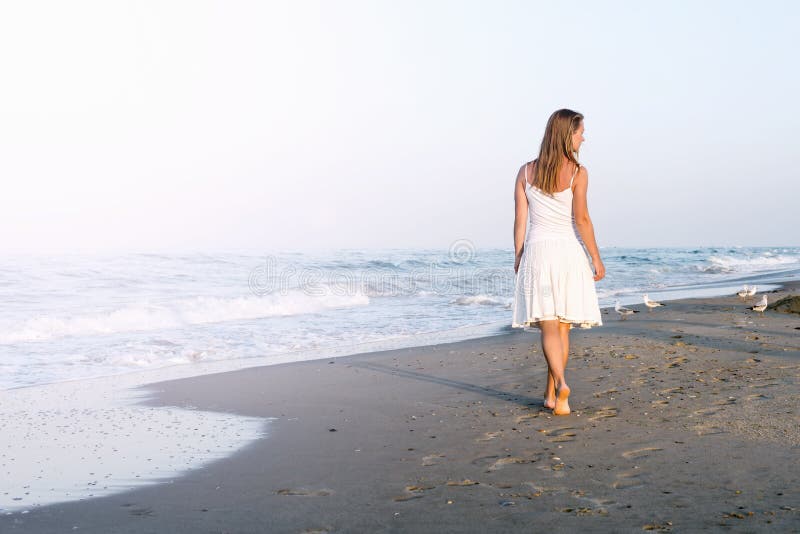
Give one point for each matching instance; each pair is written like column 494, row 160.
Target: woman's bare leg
column 554, row 354
column 550, row 389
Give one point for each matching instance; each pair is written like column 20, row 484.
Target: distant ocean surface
column 73, row 316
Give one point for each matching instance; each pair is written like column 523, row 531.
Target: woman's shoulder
column 526, row 171
column 527, row 168
column 581, row 175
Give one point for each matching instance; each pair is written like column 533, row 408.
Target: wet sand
column 684, row 418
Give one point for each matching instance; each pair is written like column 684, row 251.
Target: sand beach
column 684, row 418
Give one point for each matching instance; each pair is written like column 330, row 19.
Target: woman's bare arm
column 520, row 216
column 584, row 223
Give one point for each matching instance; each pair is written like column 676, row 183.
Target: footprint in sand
column 526, row 490
column 431, row 459
column 676, row 362
column 408, row 497
column 628, row 480
column 637, row 454
column 502, row 462
column 485, row 460
column 767, row 385
column 603, row 413
column 413, row 492
column 530, row 416
column 703, row 412
column 488, row 436
column 554, row 466
column 726, row 402
column 559, row 435
column 607, row 392
column 709, row 430
column 757, row 396
column 304, row 492
column 666, row 527
column 465, row 482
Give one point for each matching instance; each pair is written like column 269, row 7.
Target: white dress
column 555, row 278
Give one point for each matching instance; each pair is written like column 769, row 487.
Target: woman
column 554, row 286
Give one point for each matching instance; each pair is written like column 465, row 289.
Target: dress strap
column 574, row 174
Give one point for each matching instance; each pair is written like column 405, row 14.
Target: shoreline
column 452, row 437
column 488, row 329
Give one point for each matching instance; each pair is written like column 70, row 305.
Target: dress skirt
column 555, row 282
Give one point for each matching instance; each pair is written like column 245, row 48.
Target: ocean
column 70, row 317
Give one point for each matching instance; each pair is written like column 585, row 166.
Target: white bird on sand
column 623, row 311
column 752, row 291
column 651, row 303
column 761, row 306
column 744, row 292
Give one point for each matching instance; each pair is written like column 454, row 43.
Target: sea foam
column 175, row 314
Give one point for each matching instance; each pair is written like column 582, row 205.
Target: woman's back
column 550, row 217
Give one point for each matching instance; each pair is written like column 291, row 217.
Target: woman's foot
column 549, row 402
column 562, row 401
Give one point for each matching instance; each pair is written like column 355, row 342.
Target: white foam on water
column 482, row 300
column 148, row 316
column 747, row 264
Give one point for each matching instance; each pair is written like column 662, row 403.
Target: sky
column 302, row 125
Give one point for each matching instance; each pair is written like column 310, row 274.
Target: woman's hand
column 516, row 262
column 599, row 269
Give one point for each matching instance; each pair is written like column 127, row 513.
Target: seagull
column 745, row 292
column 761, row 306
column 751, row 291
column 651, row 303
column 623, row 311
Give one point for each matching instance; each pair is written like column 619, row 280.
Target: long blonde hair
column 556, row 143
